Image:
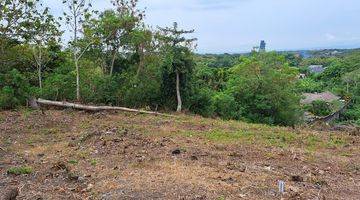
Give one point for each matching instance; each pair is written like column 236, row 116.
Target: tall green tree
column 116, row 30
column 77, row 12
column 178, row 55
column 264, row 86
column 43, row 32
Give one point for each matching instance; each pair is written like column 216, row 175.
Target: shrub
column 20, row 170
column 201, row 102
column 225, row 106
column 14, row 90
column 320, row 108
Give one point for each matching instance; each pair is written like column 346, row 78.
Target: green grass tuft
column 20, row 170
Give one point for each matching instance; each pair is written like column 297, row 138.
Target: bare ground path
column 77, row 155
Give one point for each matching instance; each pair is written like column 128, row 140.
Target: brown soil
column 77, row 155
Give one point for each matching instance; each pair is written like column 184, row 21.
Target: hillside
column 78, row 155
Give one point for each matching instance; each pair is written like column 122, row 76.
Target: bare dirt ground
column 78, row 155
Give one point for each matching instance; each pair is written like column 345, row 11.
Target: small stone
column 297, row 178
column 193, row 158
column 176, row 152
column 88, row 188
column 81, row 179
column 73, row 177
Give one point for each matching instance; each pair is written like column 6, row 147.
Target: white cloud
column 330, row 36
column 238, row 25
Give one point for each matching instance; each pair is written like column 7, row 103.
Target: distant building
column 316, row 69
column 262, row 47
column 302, row 76
column 325, row 96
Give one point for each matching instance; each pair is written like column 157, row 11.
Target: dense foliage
column 114, row 58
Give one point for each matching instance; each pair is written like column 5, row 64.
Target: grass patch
column 280, row 139
column 313, row 142
column 93, row 162
column 220, row 136
column 73, row 162
column 20, row 170
column 335, row 142
column 50, row 131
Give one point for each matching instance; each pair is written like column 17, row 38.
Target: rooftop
column 316, row 69
column 325, row 96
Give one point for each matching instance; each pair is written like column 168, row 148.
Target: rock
column 297, row 178
column 193, row 158
column 176, row 152
column 41, row 155
column 73, row 176
column 236, row 167
column 88, row 188
column 117, row 140
column 60, row 166
column 81, row 178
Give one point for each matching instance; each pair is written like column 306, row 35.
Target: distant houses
column 301, row 76
column 324, row 96
column 316, row 69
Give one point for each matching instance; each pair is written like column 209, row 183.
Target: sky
column 235, row 26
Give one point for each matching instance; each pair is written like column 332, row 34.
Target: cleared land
column 78, row 155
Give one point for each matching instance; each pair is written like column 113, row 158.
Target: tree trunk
column 39, row 76
column 95, row 108
column 76, row 59
column 141, row 59
column 112, row 63
column 78, row 97
column 179, row 106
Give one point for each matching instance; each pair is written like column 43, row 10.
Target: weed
column 220, row 136
column 221, row 198
column 26, row 112
column 73, row 162
column 313, row 142
column 335, row 142
column 20, row 170
column 93, row 162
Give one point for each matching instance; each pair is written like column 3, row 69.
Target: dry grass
column 77, row 155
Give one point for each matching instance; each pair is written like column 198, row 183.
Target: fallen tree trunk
column 95, row 108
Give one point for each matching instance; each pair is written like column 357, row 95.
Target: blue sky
column 231, row 26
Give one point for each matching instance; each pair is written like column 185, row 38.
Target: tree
column 14, row 17
column 264, row 88
column 178, row 54
column 117, row 30
column 77, row 13
column 43, row 31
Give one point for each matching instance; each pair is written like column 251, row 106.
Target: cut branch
column 95, row 108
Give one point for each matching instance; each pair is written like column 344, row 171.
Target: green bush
column 264, row 87
column 225, row 106
column 14, row 90
column 353, row 113
column 201, row 102
column 320, row 108
column 59, row 87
